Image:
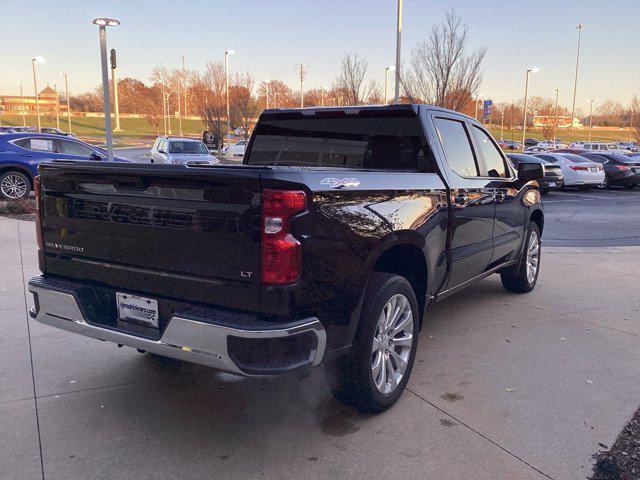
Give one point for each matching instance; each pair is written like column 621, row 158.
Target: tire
column 519, row 279
column 352, row 378
column 14, row 185
column 544, row 191
column 606, row 185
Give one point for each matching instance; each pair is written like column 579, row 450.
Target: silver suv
column 178, row 150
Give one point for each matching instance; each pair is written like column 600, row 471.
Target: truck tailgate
column 166, row 231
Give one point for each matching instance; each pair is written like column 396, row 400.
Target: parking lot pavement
column 505, row 386
column 592, row 218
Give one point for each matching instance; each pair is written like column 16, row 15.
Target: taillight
column 622, row 167
column 281, row 251
column 36, row 190
column 578, row 168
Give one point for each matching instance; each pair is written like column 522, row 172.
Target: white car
column 628, row 146
column 536, row 149
column 597, row 147
column 179, row 150
column 577, row 170
column 236, row 150
column 551, row 145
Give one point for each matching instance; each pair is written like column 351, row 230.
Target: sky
column 272, row 35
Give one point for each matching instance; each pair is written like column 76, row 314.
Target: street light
column 579, row 27
column 103, row 23
column 35, row 60
column 475, row 114
column 591, row 102
column 226, row 76
column 388, row 69
column 396, row 98
column 24, row 120
column 631, row 127
column 66, row 94
column 555, row 121
column 526, row 93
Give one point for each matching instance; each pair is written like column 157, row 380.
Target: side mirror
column 530, row 171
column 162, row 151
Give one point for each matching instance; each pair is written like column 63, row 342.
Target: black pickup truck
column 325, row 246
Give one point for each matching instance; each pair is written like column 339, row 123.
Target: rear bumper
column 199, row 338
column 545, row 182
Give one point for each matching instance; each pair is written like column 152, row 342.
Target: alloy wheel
column 533, row 257
column 392, row 344
column 14, row 186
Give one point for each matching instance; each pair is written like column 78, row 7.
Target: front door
column 472, row 202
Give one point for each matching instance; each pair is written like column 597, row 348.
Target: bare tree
column 244, row 107
column 280, row 95
column 375, row 93
column 353, row 69
column 441, row 71
column 208, row 98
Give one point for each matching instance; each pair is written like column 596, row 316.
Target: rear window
column 576, row 158
column 378, row 143
column 187, row 147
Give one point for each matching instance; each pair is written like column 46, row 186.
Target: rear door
column 472, row 202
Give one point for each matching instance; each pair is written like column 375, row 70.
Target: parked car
column 530, row 142
column 598, row 147
column 510, row 144
column 551, row 145
column 178, row 150
column 536, row 149
column 628, row 146
column 553, row 177
column 6, row 129
column 269, row 268
column 21, row 153
column 620, row 170
column 56, row 131
column 236, row 150
column 577, row 170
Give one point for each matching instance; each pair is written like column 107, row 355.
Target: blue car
column 21, row 153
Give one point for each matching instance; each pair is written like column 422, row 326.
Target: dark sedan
column 553, row 178
column 620, row 170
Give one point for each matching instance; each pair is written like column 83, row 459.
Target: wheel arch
column 4, row 168
column 537, row 217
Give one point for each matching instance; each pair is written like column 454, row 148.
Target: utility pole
column 301, row 86
column 164, row 110
column 555, row 120
column 114, row 87
column 168, row 114
column 322, row 98
column 35, row 87
column 591, row 115
column 575, row 81
column 179, row 114
column 66, row 93
column 502, row 124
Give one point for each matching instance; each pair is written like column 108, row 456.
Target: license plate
column 136, row 309
column 552, row 184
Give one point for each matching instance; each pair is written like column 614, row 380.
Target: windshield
column 188, row 147
column 380, row 142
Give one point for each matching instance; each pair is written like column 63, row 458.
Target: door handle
column 461, row 198
column 500, row 195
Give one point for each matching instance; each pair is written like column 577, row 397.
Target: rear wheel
column 606, row 185
column 523, row 277
column 373, row 375
column 14, row 184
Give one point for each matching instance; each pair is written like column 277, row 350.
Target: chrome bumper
column 184, row 338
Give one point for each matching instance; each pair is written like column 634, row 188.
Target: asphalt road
column 592, row 218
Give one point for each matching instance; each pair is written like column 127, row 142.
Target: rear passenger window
column 457, row 149
column 492, row 157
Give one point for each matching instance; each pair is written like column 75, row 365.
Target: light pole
column 35, row 85
column 184, row 90
column 524, row 112
column 501, row 124
column 631, row 127
column 396, row 97
column 591, row 102
column 24, row 119
column 475, row 114
column 66, row 94
column 55, row 89
column 114, row 87
column 226, row 76
column 301, row 85
column 388, row 69
column 102, row 24
column 555, row 120
column 579, row 27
